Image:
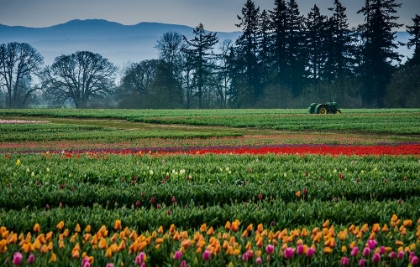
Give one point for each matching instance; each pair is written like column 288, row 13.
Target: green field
column 93, row 169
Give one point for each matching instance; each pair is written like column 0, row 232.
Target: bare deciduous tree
column 18, row 62
column 79, row 77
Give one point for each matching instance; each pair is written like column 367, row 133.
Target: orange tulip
column 117, row 225
column 186, row 243
column 407, row 223
column 327, row 250
column 27, row 247
column 235, row 226
column 122, row 245
column 60, row 225
column 203, row 227
column 210, row 231
column 44, row 249
column 75, row 254
column 53, row 257
column 37, row 228
column 172, row 228
column 229, row 250
column 141, row 246
column 244, row 234
column 108, row 253
column 114, row 237
column 12, row 239
column 77, row 228
column 103, row 244
column 74, row 238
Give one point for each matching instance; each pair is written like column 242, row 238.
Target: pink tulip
column 245, row 256
column 31, row 258
column 382, row 250
column 288, row 253
column 392, row 254
column 376, row 258
column 17, row 258
column 206, row 255
column 310, row 252
column 414, row 260
column 109, row 265
column 362, row 262
column 140, row 258
column 183, row 263
column 300, row 250
column 84, row 261
column 344, row 261
column 400, row 255
column 177, row 255
column 269, row 249
column 258, row 260
column 372, row 243
column 366, row 252
column 250, row 254
column 354, row 251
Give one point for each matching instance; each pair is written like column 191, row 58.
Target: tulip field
column 209, row 188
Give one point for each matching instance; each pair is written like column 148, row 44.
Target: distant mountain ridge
column 118, row 43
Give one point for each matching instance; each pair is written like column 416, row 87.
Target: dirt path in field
column 266, row 136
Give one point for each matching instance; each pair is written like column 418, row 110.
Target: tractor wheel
column 338, row 112
column 322, row 110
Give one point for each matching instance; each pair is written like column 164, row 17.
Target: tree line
column 282, row 59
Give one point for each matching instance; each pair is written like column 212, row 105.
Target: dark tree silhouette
column 340, row 45
column 170, row 48
column 18, row 62
column 414, row 41
column 136, row 85
column 200, row 56
column 316, row 43
column 79, row 77
column 378, row 49
column 295, row 49
column 247, row 56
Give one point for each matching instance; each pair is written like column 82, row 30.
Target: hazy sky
column 216, row 15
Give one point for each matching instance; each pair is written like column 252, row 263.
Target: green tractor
column 324, row 108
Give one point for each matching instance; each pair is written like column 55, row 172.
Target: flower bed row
column 289, row 149
column 395, row 243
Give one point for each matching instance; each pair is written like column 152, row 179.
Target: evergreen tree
column 378, row 49
column 316, row 44
column 280, row 30
column 414, row 31
column 247, row 48
column 170, row 48
column 199, row 51
column 296, row 56
column 340, row 45
column 264, row 43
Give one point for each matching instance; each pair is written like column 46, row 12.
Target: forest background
column 280, row 59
